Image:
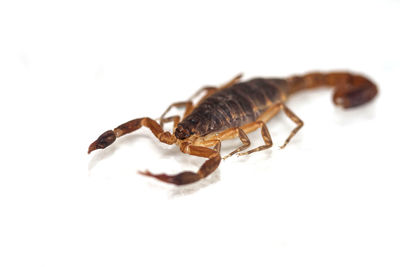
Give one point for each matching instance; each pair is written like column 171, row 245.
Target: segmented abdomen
column 237, row 105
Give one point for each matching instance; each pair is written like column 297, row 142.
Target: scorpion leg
column 212, row 89
column 209, row 166
column 187, row 104
column 108, row 137
column 209, row 91
column 265, row 135
column 295, row 119
column 242, row 136
column 176, row 119
column 232, row 82
column 271, row 112
column 260, row 123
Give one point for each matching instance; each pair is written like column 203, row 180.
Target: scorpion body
column 234, row 106
column 234, row 109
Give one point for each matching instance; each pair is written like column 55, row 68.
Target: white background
column 69, row 70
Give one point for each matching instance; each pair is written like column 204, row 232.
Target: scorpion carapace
column 233, row 110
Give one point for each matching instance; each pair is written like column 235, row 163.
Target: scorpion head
column 186, row 128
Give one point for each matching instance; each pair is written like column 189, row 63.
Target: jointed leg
column 187, row 104
column 212, row 162
column 209, row 91
column 295, row 119
column 212, row 89
column 232, row 82
column 217, row 146
column 227, row 134
column 108, row 137
column 260, row 123
column 265, row 135
column 176, row 119
column 271, row 112
column 242, row 136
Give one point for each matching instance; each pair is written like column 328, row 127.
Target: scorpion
column 233, row 110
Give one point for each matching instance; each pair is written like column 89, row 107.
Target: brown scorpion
column 234, row 109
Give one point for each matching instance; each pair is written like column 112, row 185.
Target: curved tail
column 350, row 90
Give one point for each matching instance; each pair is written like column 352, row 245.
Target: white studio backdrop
column 69, row 70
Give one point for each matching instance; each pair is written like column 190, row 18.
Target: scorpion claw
column 179, row 179
column 103, row 141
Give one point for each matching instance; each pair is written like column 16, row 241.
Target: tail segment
column 350, row 90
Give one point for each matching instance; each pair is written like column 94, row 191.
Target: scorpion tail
column 350, row 90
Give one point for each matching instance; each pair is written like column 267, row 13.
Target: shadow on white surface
column 101, row 155
column 178, row 191
column 106, row 153
column 355, row 115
